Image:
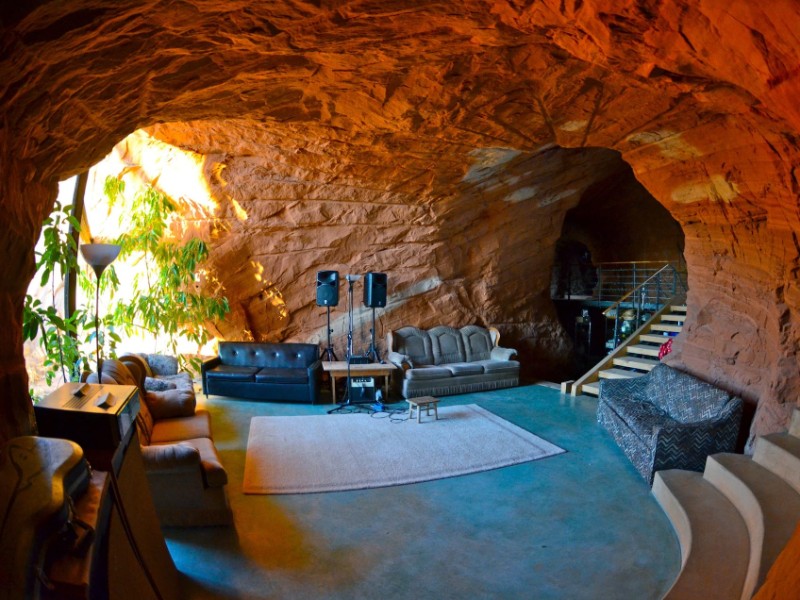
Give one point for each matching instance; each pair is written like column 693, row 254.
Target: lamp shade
column 99, row 256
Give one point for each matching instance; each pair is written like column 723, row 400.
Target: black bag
column 40, row 479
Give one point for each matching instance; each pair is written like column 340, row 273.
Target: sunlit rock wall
column 699, row 97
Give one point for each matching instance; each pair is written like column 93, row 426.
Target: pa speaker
column 375, row 289
column 327, row 288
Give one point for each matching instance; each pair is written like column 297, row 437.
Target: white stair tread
column 618, row 374
column 715, row 546
column 636, row 362
column 673, row 318
column 794, row 426
column 654, row 338
column 678, row 308
column 643, row 349
column 666, row 327
column 769, row 506
column 780, row 453
column 593, row 389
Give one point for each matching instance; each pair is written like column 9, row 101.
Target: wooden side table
column 423, row 402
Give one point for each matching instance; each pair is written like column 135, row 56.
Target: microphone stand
column 348, row 393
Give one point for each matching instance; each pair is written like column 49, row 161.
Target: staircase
column 733, row 519
column 638, row 354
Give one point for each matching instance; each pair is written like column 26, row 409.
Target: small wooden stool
column 423, row 402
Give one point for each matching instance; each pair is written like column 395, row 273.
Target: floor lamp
column 99, row 256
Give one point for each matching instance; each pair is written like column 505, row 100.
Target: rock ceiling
column 433, row 131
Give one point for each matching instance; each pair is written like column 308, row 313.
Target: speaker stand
column 328, row 353
column 373, row 353
column 349, row 352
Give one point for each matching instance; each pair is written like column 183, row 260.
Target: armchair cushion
column 158, row 385
column 213, row 472
column 170, row 404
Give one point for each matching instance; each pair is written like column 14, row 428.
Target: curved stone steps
column 715, row 545
column 769, row 506
column 780, row 453
column 764, row 494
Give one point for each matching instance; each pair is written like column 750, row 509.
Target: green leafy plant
column 58, row 335
column 165, row 296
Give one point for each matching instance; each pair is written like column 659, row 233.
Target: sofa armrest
column 502, row 353
column 207, row 365
column 686, row 446
column 401, row 361
column 171, row 457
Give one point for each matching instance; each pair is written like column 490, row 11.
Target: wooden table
column 338, row 368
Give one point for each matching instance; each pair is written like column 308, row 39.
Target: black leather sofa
column 264, row 371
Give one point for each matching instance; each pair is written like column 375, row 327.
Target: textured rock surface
column 432, row 112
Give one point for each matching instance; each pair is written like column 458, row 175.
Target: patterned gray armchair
column 668, row 419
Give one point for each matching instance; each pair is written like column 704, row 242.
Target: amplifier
column 96, row 417
column 362, row 389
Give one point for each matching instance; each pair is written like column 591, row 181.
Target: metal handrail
column 641, row 285
column 639, row 300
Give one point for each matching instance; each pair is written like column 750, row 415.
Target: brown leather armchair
column 186, row 476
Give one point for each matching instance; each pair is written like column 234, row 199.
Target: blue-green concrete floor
column 582, row 524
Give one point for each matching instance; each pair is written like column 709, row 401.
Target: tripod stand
column 328, row 353
column 349, row 353
column 373, row 353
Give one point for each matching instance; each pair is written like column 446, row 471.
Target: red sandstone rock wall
column 392, row 109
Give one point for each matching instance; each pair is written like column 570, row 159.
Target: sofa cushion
column 275, row 375
column 428, row 373
column 232, row 373
column 464, row 368
column 477, row 343
column 183, row 428
column 499, row 366
column 684, row 397
column 414, row 343
column 447, row 345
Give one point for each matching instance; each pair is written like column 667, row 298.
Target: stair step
column 593, row 389
column 794, row 426
column 643, row 349
column 619, row 374
column 678, row 308
column 780, row 453
column 665, row 327
column 654, row 338
column 673, row 318
column 769, row 506
column 715, row 545
column 634, row 362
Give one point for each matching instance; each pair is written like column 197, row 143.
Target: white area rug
column 292, row 455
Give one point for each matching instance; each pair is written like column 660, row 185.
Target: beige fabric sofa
column 185, row 473
column 444, row 360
